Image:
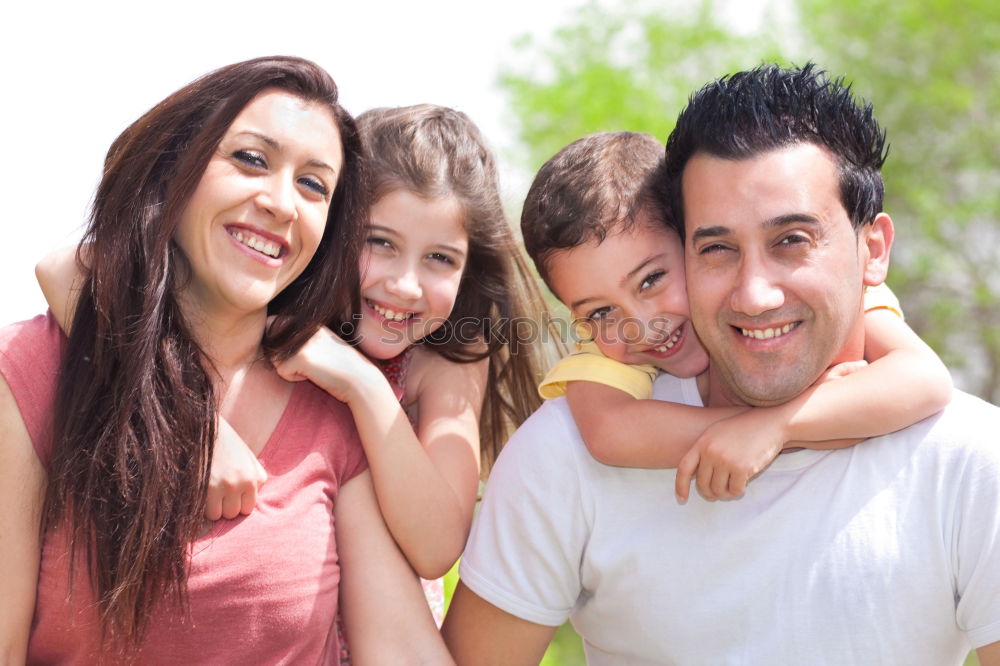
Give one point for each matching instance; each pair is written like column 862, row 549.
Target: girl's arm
column 425, row 481
column 236, row 474
column 22, row 487
column 386, row 617
column 235, row 477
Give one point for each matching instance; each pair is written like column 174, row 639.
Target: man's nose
column 756, row 290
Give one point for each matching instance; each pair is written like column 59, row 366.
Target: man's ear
column 875, row 242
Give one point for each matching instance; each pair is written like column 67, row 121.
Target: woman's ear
column 875, row 244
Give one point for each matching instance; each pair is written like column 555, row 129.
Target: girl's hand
column 330, row 363
column 235, row 478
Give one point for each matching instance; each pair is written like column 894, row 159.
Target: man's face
column 775, row 271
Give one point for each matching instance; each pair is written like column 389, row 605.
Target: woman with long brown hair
column 240, row 196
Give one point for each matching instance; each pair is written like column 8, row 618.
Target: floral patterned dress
column 395, row 370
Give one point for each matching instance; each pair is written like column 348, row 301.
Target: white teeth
column 767, row 333
column 671, row 341
column 255, row 242
column 389, row 313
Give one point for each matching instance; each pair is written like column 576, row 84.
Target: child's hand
column 329, row 362
column 730, row 453
column 235, row 477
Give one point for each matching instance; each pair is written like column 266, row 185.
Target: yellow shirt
column 589, row 364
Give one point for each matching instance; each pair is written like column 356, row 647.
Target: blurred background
column 535, row 76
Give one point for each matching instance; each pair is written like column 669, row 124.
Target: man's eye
column 712, row 248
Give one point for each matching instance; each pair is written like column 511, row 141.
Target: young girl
column 597, row 236
column 444, row 286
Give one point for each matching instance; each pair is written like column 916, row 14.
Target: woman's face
column 413, row 262
column 259, row 212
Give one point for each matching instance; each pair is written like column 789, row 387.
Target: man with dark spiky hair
column 887, row 552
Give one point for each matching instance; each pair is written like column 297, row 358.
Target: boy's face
column 628, row 294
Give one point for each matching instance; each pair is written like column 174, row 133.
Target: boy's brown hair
column 593, row 187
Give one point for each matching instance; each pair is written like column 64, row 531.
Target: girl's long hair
column 436, row 152
column 135, row 408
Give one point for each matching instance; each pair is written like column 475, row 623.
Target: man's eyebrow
column 274, row 145
column 792, row 218
column 779, row 221
column 710, row 232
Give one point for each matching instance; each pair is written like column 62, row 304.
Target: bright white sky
column 77, row 73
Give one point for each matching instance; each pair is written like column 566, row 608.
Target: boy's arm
column 61, row 278
column 622, row 431
column 904, row 382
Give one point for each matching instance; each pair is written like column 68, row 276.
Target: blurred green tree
column 929, row 66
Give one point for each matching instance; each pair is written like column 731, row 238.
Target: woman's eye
column 376, row 241
column 251, row 158
column 651, row 279
column 315, row 185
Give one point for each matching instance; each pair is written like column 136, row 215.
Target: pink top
column 262, row 588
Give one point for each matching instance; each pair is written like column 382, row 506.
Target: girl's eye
column 599, row 314
column 442, row 258
column 651, row 280
column 315, row 185
column 251, row 158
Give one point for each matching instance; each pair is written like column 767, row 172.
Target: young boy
column 600, row 240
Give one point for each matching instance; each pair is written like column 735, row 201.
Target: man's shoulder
column 967, row 421
column 549, row 433
column 968, row 426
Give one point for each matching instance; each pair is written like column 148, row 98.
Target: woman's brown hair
column 135, row 408
column 436, row 152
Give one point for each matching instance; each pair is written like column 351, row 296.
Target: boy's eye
column 315, row 185
column 651, row 280
column 251, row 158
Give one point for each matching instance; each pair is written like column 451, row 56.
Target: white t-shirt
column 884, row 553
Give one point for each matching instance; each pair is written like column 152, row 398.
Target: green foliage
column 625, row 70
column 930, row 68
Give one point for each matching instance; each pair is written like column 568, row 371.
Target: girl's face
column 259, row 211
column 412, row 267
